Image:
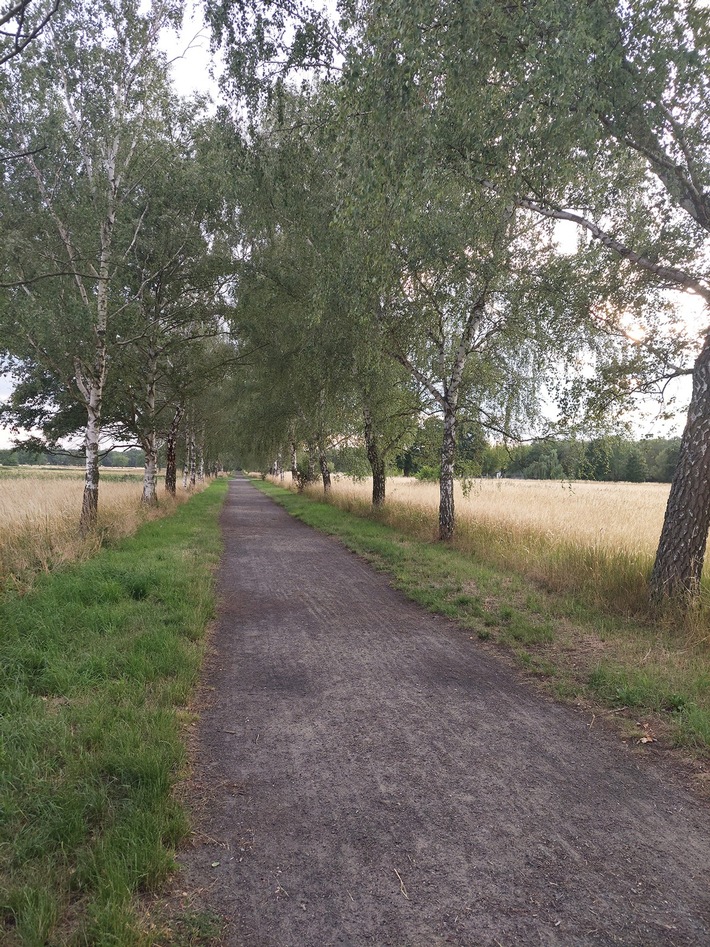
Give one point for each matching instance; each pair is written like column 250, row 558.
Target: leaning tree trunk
column 376, row 460
column 324, row 471
column 446, row 479
column 171, row 453
column 681, row 548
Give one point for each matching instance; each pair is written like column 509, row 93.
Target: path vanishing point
column 368, row 775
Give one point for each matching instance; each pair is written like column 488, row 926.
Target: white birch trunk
column 150, row 443
column 90, row 501
column 446, row 480
column 201, row 457
column 150, row 470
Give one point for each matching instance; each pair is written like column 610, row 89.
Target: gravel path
column 369, row 776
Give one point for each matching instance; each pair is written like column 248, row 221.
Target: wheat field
column 39, row 516
column 616, row 516
column 581, row 536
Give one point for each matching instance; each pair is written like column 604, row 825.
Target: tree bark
column 324, row 471
column 186, row 462
column 294, row 461
column 681, row 548
column 446, row 479
column 150, row 470
column 90, row 500
column 193, row 460
column 171, row 453
column 311, row 461
column 377, row 462
column 150, row 442
column 201, row 457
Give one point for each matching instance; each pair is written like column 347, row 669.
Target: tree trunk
column 150, row 442
column 446, row 479
column 90, row 501
column 294, row 461
column 324, row 471
column 150, row 470
column 201, row 457
column 171, row 453
column 186, row 462
column 377, row 462
column 311, row 461
column 681, row 548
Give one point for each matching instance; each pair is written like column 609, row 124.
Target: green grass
column 580, row 652
column 96, row 663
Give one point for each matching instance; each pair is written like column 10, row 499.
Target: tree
column 625, row 90
column 636, row 469
column 21, row 22
column 85, row 133
column 177, row 269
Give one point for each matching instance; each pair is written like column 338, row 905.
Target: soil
column 365, row 773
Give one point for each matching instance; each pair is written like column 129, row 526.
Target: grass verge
column 97, row 662
column 655, row 681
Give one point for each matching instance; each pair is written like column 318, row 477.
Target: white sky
column 189, row 53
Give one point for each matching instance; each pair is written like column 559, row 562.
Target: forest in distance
column 610, row 459
column 361, row 232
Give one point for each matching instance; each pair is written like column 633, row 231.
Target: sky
column 189, row 55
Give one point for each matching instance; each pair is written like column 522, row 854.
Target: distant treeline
column 605, row 458
column 129, row 458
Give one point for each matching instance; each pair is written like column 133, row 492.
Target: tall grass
column 39, row 515
column 595, row 540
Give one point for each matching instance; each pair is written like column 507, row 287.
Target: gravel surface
column 366, row 774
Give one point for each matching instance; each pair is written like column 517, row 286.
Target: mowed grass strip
column 656, row 676
column 96, row 663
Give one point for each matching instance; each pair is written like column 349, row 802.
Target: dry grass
column 597, row 539
column 39, row 514
column 611, row 515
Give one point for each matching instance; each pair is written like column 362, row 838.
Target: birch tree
column 82, row 113
column 177, row 271
column 605, row 110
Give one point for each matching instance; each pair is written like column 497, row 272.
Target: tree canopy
column 366, row 234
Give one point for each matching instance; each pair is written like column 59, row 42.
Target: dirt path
column 372, row 777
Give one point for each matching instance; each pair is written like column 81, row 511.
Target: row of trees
column 330, row 258
column 610, row 458
column 132, row 457
column 114, row 255
column 400, row 214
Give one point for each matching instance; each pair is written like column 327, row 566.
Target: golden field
column 39, row 516
column 595, row 538
column 613, row 515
